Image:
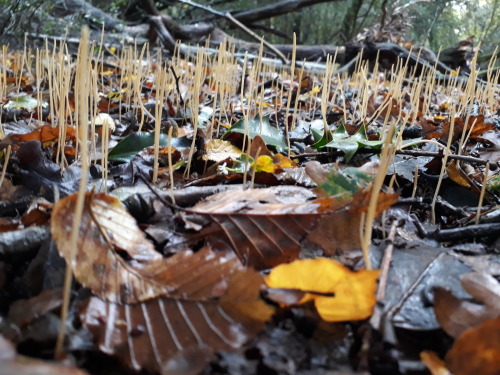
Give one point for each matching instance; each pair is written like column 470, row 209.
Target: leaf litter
column 244, row 245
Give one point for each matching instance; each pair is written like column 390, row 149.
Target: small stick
column 481, row 196
column 5, row 163
column 384, row 274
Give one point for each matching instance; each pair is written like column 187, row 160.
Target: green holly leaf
column 350, row 144
column 270, row 134
column 131, row 145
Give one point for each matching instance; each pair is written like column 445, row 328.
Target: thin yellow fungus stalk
column 254, row 169
column 38, row 83
column 64, row 81
column 385, row 159
column 194, row 104
column 5, row 163
column 93, row 110
column 288, row 102
column 340, row 87
column 443, row 167
column 170, row 167
column 49, row 61
column 137, row 87
column 104, row 156
column 242, row 97
column 415, row 182
column 82, row 90
column 161, row 83
column 3, row 85
column 481, row 195
column 326, row 92
column 468, row 98
column 296, row 104
column 366, row 223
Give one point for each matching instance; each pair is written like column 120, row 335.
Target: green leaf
column 346, row 182
column 271, row 135
column 350, row 144
column 24, row 101
column 242, row 165
column 131, row 145
column 321, row 139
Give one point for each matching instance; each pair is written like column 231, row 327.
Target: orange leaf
column 477, row 350
column 349, row 295
column 45, row 133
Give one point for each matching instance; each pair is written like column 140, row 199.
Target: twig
column 465, row 233
column 384, row 273
column 177, row 85
column 469, row 159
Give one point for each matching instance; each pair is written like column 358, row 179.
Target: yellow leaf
column 339, row 294
column 264, row 164
column 218, row 150
column 282, row 161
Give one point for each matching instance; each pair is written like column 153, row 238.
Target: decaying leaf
column 242, row 300
column 45, row 133
column 456, row 315
column 477, row 350
column 218, row 150
column 266, row 227
column 339, row 294
column 165, row 332
column 114, row 259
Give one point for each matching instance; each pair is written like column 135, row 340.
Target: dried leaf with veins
column 114, row 259
column 267, row 227
column 167, row 333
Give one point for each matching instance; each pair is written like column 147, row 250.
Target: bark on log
column 67, row 7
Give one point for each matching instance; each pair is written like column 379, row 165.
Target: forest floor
column 223, row 216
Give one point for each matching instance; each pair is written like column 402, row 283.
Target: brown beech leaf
column 267, row 227
column 477, row 350
column 107, row 232
column 242, row 299
column 456, row 315
column 442, row 131
column 45, row 133
column 163, row 333
column 22, row 312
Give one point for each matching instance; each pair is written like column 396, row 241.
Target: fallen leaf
column 266, row 227
column 162, row 332
column 262, row 127
column 118, row 264
column 339, row 294
column 45, row 133
column 264, row 164
column 477, row 350
column 456, row 315
column 218, row 150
